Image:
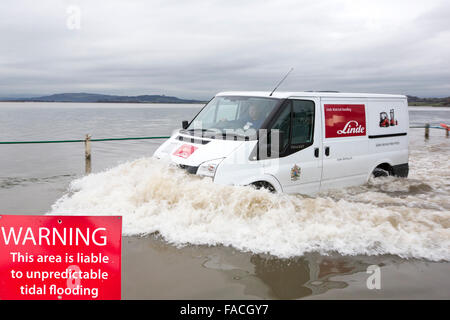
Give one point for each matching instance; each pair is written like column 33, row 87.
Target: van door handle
column 316, row 152
column 327, row 151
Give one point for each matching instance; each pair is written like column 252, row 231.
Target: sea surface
column 202, row 240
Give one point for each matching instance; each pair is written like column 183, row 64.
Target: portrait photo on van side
column 214, row 151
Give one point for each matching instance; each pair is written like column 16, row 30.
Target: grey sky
column 193, row 49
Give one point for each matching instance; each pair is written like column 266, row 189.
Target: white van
column 294, row 142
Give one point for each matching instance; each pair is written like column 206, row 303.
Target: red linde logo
column 352, row 127
column 344, row 120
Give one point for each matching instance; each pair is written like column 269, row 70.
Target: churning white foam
column 386, row 216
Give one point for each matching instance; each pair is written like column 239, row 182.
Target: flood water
column 187, row 238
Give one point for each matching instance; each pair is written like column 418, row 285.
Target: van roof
column 284, row 95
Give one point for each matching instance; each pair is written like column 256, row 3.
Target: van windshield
column 234, row 117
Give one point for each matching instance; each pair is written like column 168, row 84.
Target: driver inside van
column 254, row 118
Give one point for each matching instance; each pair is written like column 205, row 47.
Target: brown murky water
column 153, row 269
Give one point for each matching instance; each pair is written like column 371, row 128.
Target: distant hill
column 94, row 97
column 435, row 102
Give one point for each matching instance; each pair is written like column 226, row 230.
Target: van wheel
column 263, row 185
column 379, row 172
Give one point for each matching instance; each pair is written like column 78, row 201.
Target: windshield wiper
column 202, row 130
column 245, row 137
column 193, row 131
column 225, row 135
column 213, row 134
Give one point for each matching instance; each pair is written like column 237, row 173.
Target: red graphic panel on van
column 185, row 151
column 344, row 120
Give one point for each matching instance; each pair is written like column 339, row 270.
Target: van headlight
column 208, row 168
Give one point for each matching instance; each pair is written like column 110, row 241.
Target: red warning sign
column 344, row 120
column 60, row 257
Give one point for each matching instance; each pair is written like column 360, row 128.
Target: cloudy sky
column 194, row 49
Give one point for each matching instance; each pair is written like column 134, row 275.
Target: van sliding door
column 345, row 145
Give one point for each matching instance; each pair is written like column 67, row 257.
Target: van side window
column 283, row 124
column 302, row 122
column 295, row 124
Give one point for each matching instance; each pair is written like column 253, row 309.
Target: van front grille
column 189, row 169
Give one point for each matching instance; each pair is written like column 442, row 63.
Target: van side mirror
column 185, row 124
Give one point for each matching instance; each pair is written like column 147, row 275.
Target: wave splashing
column 373, row 219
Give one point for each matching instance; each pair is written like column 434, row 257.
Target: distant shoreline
column 83, row 97
column 190, row 102
column 136, row 102
column 428, row 105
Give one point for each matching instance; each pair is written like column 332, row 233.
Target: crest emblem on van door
column 295, row 173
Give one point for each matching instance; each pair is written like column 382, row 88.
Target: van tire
column 263, row 185
column 383, row 170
